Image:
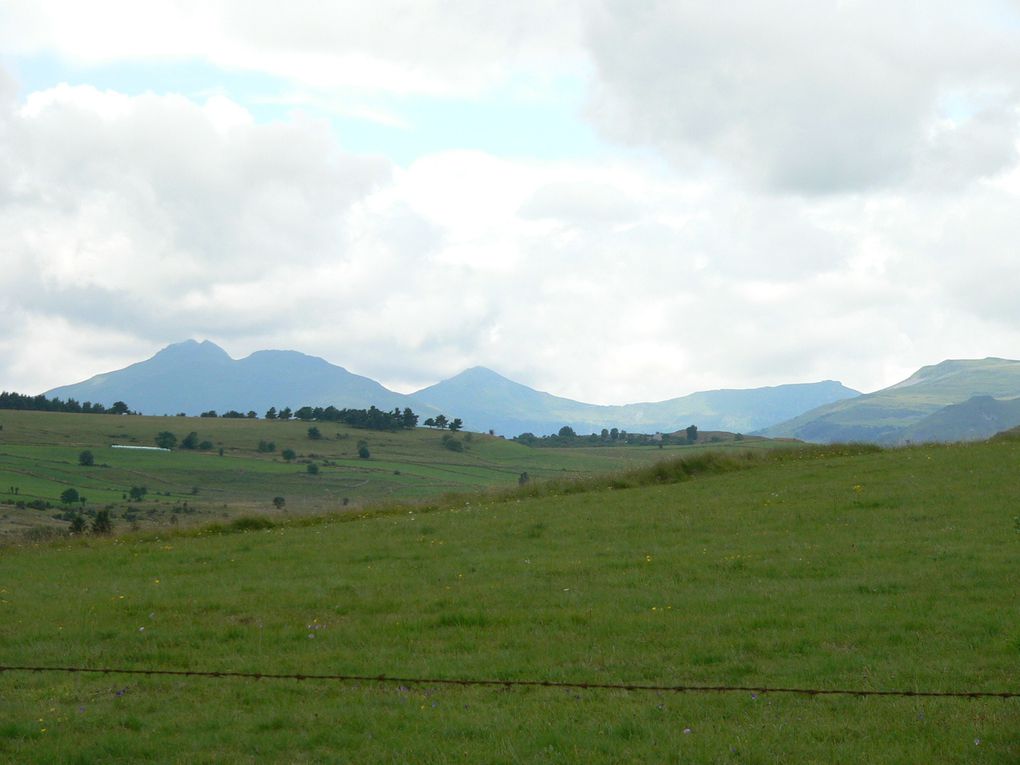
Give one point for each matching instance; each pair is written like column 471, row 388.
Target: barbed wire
column 561, row 684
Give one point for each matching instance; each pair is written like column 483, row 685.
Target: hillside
column 977, row 418
column 886, row 415
column 244, row 467
column 823, row 568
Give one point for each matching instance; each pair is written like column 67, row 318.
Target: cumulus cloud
column 438, row 47
column 131, row 221
column 812, row 97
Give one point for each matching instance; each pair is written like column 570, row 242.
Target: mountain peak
column 205, row 349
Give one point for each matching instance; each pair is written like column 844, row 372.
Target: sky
column 610, row 201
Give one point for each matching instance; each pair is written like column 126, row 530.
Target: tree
column 166, row 440
column 279, row 502
column 441, row 421
column 409, row 419
column 285, row 413
column 190, row 441
column 312, row 469
column 119, row 407
column 363, row 452
column 430, row 422
column 692, row 434
column 267, row 446
column 210, row 413
column 102, row 524
column 206, row 446
column 288, row 454
column 614, row 434
column 314, row 434
column 77, row 524
column 69, row 496
column 86, row 459
column 271, row 413
column 456, row 424
column 567, row 432
column 251, row 415
column 137, row 493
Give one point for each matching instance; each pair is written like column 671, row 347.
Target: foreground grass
column 820, row 568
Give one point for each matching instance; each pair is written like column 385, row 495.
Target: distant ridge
column 485, row 399
column 193, row 377
column 942, row 402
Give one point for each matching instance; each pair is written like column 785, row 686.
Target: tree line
column 372, row 418
column 42, row 404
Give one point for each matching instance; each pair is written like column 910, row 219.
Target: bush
column 166, row 440
column 279, row 502
column 314, row 434
column 102, row 524
column 363, row 452
column 288, row 454
column 86, row 459
column 69, row 496
column 251, row 523
column 312, row 468
column 78, row 525
column 267, row 446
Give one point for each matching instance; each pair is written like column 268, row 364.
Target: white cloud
column 131, row 221
column 812, row 97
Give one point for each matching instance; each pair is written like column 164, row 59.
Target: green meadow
column 39, row 454
column 803, row 567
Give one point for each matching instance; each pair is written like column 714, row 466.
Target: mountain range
column 955, row 400
column 194, row 377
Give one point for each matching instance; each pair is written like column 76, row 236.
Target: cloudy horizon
column 608, row 201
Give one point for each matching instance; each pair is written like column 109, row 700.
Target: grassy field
column 39, row 459
column 825, row 568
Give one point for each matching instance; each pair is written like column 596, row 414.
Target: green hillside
column 823, row 567
column 39, row 459
column 976, row 418
column 885, row 416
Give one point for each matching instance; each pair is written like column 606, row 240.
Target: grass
column 39, row 458
column 819, row 567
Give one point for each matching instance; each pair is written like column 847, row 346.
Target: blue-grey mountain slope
column 888, row 415
column 486, row 400
column 194, row 377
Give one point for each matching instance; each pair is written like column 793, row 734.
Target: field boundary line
column 572, row 685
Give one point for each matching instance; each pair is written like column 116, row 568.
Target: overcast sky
column 610, row 201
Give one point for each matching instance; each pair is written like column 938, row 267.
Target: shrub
column 288, row 454
column 363, row 452
column 267, row 446
column 166, row 440
column 86, row 459
column 102, row 524
column 251, row 523
column 312, row 468
column 314, row 434
column 279, row 502
column 77, row 524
